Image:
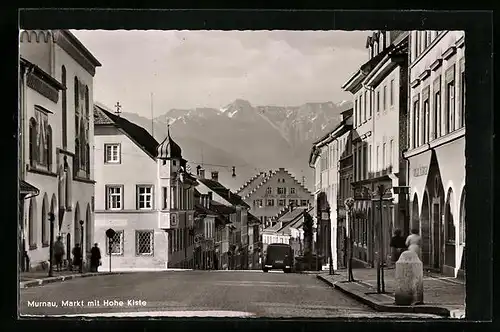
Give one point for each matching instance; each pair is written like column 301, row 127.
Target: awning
column 25, row 188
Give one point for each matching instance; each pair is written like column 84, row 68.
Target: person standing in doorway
column 95, row 258
column 58, row 253
column 398, row 245
column 77, row 256
column 414, row 243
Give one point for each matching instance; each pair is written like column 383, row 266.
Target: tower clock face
column 173, row 219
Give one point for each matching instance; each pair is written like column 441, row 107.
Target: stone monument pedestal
column 409, row 277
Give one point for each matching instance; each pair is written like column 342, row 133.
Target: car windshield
column 275, row 252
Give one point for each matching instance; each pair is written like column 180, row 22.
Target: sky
column 189, row 69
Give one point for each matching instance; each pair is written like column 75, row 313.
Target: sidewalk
column 39, row 278
column 442, row 296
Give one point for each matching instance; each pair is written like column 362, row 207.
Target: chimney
column 270, row 172
column 201, row 173
column 215, row 176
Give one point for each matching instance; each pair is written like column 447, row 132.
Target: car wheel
column 265, row 270
column 287, row 270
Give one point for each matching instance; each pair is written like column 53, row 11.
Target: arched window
column 49, row 148
column 32, row 142
column 76, row 163
column 44, row 221
column 67, row 183
column 32, row 224
column 87, row 159
column 77, row 93
column 64, row 109
column 82, row 141
column 87, row 102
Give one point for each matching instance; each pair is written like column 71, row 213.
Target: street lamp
column 81, row 245
column 381, row 190
column 51, row 249
column 349, row 203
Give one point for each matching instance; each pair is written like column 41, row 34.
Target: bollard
column 409, row 279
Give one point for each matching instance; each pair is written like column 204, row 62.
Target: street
column 196, row 293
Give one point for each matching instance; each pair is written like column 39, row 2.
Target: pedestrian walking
column 95, row 258
column 77, row 255
column 58, row 253
column 414, row 242
column 398, row 245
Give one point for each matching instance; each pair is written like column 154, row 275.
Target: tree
column 308, row 238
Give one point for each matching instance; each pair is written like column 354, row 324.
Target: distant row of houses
column 399, row 153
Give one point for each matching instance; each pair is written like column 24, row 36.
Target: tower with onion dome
column 176, row 198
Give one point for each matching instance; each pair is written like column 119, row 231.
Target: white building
column 143, row 194
column 56, row 140
column 436, row 150
column 326, row 156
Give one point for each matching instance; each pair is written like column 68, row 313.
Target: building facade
column 269, row 193
column 56, row 140
column 148, row 210
column 436, row 151
column 325, row 158
column 239, row 252
column 378, row 139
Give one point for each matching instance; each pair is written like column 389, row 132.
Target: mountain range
column 251, row 138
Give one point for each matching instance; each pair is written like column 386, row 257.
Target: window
column 173, row 197
column 144, row 242
column 116, row 244
column 364, row 106
column 437, row 115
column 112, row 153
column 270, row 202
column 365, row 162
column 281, row 191
column 269, row 190
column 292, row 190
column 281, row 202
column 356, row 110
column 145, row 197
column 391, row 153
column 64, row 109
column 355, row 160
column 450, row 107
column 378, row 158
column 360, row 109
column 425, row 124
column 368, row 162
column 164, row 198
column 462, row 99
column 378, row 101
column 33, row 142
column 114, row 197
column 416, row 123
column 384, row 97
column 392, row 92
column 257, row 202
column 384, row 165
column 303, row 202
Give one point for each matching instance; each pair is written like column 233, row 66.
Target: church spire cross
column 118, row 107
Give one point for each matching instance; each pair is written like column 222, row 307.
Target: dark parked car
column 279, row 256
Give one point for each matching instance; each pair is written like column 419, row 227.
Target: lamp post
column 81, row 244
column 51, row 249
column 349, row 203
column 381, row 190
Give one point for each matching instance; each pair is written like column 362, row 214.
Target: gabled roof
column 343, row 127
column 221, row 208
column 291, row 215
column 220, row 218
column 253, row 219
column 26, row 188
column 138, row 134
column 269, row 177
column 222, row 191
column 251, row 184
column 297, row 220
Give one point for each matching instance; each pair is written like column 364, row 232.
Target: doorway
column 436, row 236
